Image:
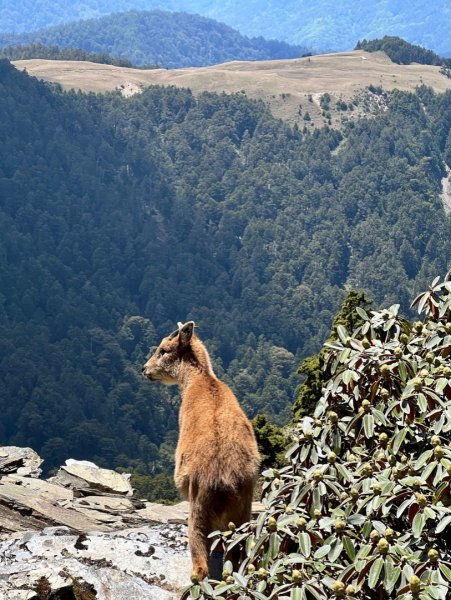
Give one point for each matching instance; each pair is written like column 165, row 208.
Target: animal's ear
column 186, row 333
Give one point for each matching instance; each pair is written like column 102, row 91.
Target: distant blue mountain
column 155, row 37
column 323, row 24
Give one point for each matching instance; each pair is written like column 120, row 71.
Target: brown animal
column 217, row 458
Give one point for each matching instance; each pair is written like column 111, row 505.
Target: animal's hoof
column 198, row 574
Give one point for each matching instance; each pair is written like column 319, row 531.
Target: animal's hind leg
column 198, row 541
column 239, row 508
column 198, row 530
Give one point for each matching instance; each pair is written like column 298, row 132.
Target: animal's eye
column 162, row 351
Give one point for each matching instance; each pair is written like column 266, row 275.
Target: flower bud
column 375, row 536
column 415, row 584
column 339, row 589
column 433, row 555
column 301, row 523
column 383, row 439
column 317, row 475
column 333, row 417
column 367, row 469
column 383, row 546
column 389, row 534
column 297, row 576
column 339, row 525
column 272, row 524
column 439, row 452
column 366, row 406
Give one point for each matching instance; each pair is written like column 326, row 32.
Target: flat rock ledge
column 82, row 535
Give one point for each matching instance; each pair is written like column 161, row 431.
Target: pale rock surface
column 145, row 563
column 23, row 461
column 82, row 536
column 85, row 476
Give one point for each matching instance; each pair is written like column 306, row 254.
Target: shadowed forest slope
column 119, row 217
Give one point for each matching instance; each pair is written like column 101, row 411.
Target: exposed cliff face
column 83, row 536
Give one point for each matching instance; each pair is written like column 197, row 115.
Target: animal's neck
column 191, row 373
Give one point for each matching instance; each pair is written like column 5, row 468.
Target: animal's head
column 166, row 362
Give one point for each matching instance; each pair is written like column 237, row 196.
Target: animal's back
column 217, row 444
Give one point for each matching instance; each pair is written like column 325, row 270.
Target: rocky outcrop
column 23, row 461
column 82, row 535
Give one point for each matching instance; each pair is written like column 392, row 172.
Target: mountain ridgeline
column 120, row 217
column 322, row 25
column 157, row 37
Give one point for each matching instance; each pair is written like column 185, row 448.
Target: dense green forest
column 401, row 52
column 120, row 217
column 30, row 51
column 157, row 37
column 323, row 24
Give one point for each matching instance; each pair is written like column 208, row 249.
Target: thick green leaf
column 374, row 573
column 434, row 592
column 361, row 313
column 274, row 545
column 368, row 426
column 422, row 403
column 322, row 552
column 349, row 547
column 444, row 523
column 364, row 551
column 446, row 571
column 422, row 460
column 419, row 522
column 342, row 333
column 207, row 588
column 296, row 593
column 305, row 544
column 335, row 550
column 391, row 576
column 399, row 439
column 316, row 498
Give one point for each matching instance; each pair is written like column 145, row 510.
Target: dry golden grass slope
column 290, row 87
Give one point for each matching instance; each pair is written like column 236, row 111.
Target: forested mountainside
column 120, row 217
column 158, row 37
column 401, row 52
column 324, row 24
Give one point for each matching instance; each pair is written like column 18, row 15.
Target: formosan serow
column 217, row 460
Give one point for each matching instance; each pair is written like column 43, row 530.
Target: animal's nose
column 143, row 370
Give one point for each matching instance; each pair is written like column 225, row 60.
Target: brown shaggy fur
column 217, row 458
